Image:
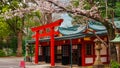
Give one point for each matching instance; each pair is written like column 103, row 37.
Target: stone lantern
column 98, row 48
column 116, row 40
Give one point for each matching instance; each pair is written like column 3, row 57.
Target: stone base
column 98, row 66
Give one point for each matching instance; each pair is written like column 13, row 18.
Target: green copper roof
column 117, row 24
column 96, row 25
column 58, row 38
column 72, row 30
column 116, row 39
column 67, row 37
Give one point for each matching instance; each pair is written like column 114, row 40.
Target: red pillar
column 52, row 48
column 83, row 52
column 37, row 47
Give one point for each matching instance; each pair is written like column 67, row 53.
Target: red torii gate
column 51, row 33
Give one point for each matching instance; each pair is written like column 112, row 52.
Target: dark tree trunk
column 19, row 38
column 112, row 48
column 19, row 48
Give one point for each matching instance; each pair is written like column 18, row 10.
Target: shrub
column 2, row 53
column 114, row 64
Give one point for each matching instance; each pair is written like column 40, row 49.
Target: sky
column 67, row 20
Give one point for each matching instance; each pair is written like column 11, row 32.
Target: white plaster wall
column 88, row 60
column 104, row 59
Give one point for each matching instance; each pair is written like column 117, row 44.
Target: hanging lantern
column 116, row 39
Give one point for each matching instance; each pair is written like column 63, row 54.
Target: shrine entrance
column 77, row 53
column 41, row 31
column 75, row 56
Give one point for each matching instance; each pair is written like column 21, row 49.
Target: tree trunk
column 112, row 48
column 19, row 39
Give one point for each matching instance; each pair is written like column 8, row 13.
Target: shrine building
column 74, row 44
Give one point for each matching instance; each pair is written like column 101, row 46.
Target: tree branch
column 93, row 13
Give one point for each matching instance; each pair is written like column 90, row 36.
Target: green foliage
column 111, row 3
column 14, row 4
column 32, row 19
column 13, row 54
column 75, row 3
column 14, row 24
column 6, row 5
column 23, row 46
column 4, row 31
column 114, row 64
column 8, row 51
column 38, row 14
column 10, row 27
column 88, row 6
column 2, row 53
column 5, row 8
column 13, row 44
column 117, row 9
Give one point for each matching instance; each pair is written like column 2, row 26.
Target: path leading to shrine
column 10, row 62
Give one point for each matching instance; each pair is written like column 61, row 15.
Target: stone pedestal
column 98, row 66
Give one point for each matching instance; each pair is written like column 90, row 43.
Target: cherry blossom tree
column 93, row 13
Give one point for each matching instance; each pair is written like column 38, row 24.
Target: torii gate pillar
column 36, row 47
column 52, row 48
